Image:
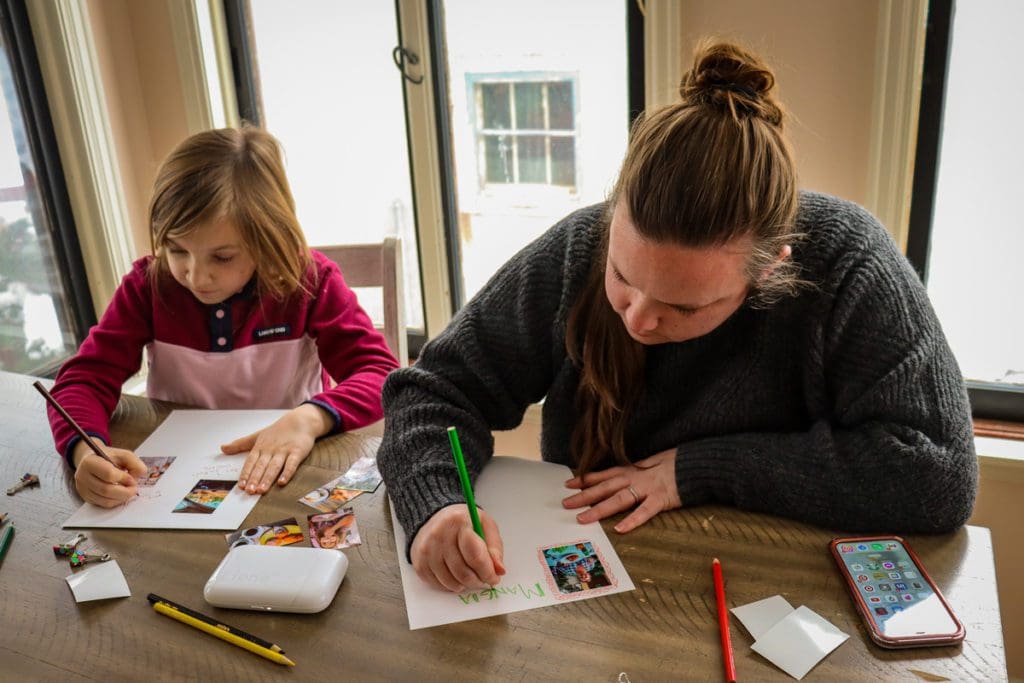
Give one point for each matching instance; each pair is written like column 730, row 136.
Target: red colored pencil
column 723, row 622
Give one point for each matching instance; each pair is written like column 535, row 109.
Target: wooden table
column 664, row 630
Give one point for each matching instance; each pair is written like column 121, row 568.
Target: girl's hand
column 103, row 484
column 649, row 485
column 449, row 555
column 280, row 448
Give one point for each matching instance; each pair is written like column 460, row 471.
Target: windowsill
column 1000, row 429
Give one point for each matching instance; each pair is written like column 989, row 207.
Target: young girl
column 708, row 335
column 234, row 311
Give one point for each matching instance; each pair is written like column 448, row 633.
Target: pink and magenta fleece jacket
column 247, row 352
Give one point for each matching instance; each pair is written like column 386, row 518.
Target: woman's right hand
column 448, row 554
column 101, row 483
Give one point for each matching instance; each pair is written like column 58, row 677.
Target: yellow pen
column 219, row 630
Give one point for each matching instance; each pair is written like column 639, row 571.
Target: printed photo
column 282, row 532
column 205, row 496
column 361, row 476
column 328, row 497
column 334, row 529
column 575, row 568
column 155, row 468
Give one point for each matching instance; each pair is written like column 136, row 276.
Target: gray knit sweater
column 843, row 406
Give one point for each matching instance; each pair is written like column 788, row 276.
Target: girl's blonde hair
column 235, row 174
column 704, row 171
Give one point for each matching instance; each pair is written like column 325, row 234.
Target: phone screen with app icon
column 893, row 592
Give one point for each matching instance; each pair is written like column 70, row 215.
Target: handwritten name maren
column 496, row 592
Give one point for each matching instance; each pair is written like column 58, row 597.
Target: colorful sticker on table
column 328, row 498
column 155, row 468
column 575, row 568
column 334, row 530
column 361, row 476
column 205, row 496
column 281, row 532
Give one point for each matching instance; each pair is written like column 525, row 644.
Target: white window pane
column 35, row 319
column 332, row 95
column 977, row 233
column 539, row 118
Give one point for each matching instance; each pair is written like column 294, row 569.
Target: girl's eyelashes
column 223, row 259
column 618, row 276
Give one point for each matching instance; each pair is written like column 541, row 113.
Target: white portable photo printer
column 276, row 579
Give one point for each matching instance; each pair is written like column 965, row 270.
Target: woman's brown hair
column 699, row 173
column 235, row 174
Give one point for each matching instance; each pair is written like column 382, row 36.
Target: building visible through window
column 526, row 131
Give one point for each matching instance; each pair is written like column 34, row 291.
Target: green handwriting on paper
column 499, row 591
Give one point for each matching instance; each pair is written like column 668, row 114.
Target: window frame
column 50, row 180
column 989, row 400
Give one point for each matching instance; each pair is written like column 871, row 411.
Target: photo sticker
column 281, row 532
column 361, row 476
column 155, row 468
column 334, row 530
column 328, row 497
column 575, row 568
column 206, row 496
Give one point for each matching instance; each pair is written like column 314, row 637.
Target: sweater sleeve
column 88, row 386
column 479, row 374
column 352, row 351
column 896, row 449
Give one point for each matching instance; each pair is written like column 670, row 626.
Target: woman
column 707, row 335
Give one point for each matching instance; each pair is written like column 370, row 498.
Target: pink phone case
column 922, row 640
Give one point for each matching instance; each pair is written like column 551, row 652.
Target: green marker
column 5, row 540
column 467, row 488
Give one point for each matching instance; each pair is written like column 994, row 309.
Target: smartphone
column 898, row 601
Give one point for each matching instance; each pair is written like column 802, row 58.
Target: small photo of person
column 155, row 468
column 334, row 530
column 205, row 497
column 575, row 568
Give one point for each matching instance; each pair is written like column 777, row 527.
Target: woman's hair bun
column 727, row 77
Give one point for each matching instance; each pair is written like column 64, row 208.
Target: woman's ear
column 784, row 253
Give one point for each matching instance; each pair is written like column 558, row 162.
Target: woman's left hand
column 649, row 485
column 280, row 448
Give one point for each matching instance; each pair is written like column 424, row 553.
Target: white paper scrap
column 99, row 582
column 799, row 641
column 759, row 617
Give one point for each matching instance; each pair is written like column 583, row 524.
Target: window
column 965, row 229
column 526, row 131
column 509, row 123
column 44, row 302
column 538, row 125
column 339, row 115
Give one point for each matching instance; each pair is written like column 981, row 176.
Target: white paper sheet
column 99, row 582
column 193, row 438
column 525, row 499
column 795, row 640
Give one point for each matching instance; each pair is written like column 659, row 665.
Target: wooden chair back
column 377, row 265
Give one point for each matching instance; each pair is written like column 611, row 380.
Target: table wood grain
column 665, row 630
